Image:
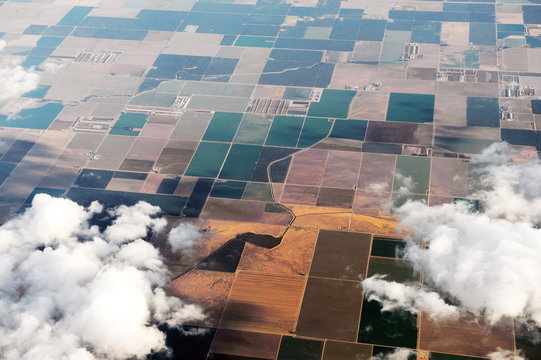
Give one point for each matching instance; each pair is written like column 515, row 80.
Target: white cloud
column 490, row 262
column 397, row 354
column 15, row 81
column 70, row 291
column 504, row 355
column 51, row 67
column 412, row 298
column 3, row 44
column 183, row 236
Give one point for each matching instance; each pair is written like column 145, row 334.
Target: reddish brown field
column 449, row 177
column 341, row 255
column 298, row 194
column 342, row 169
column 235, row 210
column 307, row 168
column 263, row 302
column 331, row 309
column 243, row 343
column 377, row 169
column 340, row 198
column 467, row 336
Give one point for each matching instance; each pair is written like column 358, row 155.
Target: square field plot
column 330, row 309
column 263, row 302
column 410, row 107
column 341, row 255
column 483, row 111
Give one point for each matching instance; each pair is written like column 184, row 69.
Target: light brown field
column 342, row 169
column 292, row 256
column 369, row 105
column 443, row 115
column 299, row 194
column 206, row 288
column 455, row 33
column 307, row 168
column 370, row 202
column 320, row 217
column 449, row 177
column 263, row 302
column 377, row 172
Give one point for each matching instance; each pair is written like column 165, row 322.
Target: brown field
column 206, row 288
column 299, row 194
column 185, row 186
column 467, row 336
column 263, row 302
column 340, row 198
column 399, row 133
column 243, row 343
column 377, row 169
column 307, row 168
column 342, row 169
column 176, row 156
column 234, row 210
column 341, row 255
column 449, row 177
column 152, row 183
column 137, row 165
column 337, row 350
column 275, row 219
column 292, row 256
column 331, row 309
column 421, row 73
column 370, row 202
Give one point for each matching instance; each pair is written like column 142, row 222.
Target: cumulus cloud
column 15, row 81
column 397, row 354
column 488, row 261
column 504, row 355
column 412, row 298
column 51, row 67
column 3, row 44
column 71, row 291
column 183, row 236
